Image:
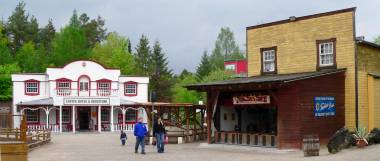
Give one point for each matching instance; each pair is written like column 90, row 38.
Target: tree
column 204, row 68
column 30, row 59
column 113, row 52
column 143, row 56
column 217, row 75
column 6, row 81
column 161, row 75
column 5, row 54
column 181, row 94
column 17, row 27
column 377, row 40
column 94, row 29
column 46, row 37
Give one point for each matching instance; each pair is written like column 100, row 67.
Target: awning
column 276, row 78
column 44, row 101
column 376, row 75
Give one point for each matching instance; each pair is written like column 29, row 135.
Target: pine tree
column 143, row 56
column 5, row 54
column 17, row 27
column 204, row 68
column 161, row 76
column 94, row 29
column 46, row 37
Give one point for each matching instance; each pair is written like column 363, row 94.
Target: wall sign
column 251, row 99
column 324, row 106
column 86, row 101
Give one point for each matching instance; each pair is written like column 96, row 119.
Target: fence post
column 23, row 129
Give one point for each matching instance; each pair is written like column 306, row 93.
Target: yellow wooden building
column 318, row 42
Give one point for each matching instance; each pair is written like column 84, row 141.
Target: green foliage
column 377, row 40
column 361, row 133
column 94, row 29
column 161, row 75
column 142, row 56
column 204, row 68
column 46, row 37
column 5, row 80
column 5, row 53
column 70, row 44
column 29, row 59
column 113, row 52
column 181, row 94
column 217, row 75
column 17, row 27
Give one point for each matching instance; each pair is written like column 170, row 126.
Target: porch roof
column 44, row 101
column 375, row 74
column 276, row 78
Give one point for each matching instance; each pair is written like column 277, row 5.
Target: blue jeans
column 160, row 142
column 140, row 141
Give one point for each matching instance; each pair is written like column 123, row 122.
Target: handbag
column 166, row 140
column 154, row 142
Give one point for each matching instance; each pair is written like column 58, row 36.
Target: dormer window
column 130, row 88
column 326, row 53
column 32, row 87
column 269, row 60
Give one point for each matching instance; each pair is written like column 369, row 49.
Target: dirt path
column 106, row 147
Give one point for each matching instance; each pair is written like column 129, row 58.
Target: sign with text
column 251, row 99
column 86, row 101
column 324, row 106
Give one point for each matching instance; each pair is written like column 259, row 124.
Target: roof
column 293, row 18
column 44, row 101
column 376, row 75
column 127, row 102
column 278, row 78
column 359, row 41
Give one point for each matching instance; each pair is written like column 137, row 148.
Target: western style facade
column 80, row 96
column 307, row 75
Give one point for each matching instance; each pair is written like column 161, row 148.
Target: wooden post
column 23, row 129
column 187, row 123
column 194, row 123
column 209, row 115
column 202, row 121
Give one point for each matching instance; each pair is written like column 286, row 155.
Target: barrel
column 310, row 145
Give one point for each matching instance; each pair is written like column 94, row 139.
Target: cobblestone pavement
column 106, row 147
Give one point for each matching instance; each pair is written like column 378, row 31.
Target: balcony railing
column 88, row 93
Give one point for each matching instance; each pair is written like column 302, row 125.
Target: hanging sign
column 86, row 101
column 324, row 106
column 251, row 99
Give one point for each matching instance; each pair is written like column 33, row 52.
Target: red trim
column 85, row 60
column 103, row 81
column 89, row 84
column 38, row 87
column 125, row 86
column 63, row 80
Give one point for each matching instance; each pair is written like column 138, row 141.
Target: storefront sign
column 324, row 106
column 86, row 101
column 251, row 99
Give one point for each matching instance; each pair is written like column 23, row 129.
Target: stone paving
column 106, row 147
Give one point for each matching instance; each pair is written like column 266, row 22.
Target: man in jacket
column 159, row 132
column 140, row 132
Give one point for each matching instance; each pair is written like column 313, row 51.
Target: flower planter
column 361, row 143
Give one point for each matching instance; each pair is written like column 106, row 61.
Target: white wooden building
column 80, row 96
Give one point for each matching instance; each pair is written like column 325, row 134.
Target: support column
column 99, row 119
column 123, row 111
column 47, row 118
column 187, row 123
column 111, row 119
column 60, row 119
column 73, row 118
column 194, row 123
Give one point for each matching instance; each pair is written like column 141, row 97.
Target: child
column 123, row 137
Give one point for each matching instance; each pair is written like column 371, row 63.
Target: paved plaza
column 106, row 147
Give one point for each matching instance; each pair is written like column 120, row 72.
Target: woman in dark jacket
column 159, row 132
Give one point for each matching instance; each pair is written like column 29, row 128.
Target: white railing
column 89, row 93
column 51, row 127
column 126, row 127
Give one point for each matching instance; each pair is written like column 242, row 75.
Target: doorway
column 84, row 118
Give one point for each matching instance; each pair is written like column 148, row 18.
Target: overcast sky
column 186, row 28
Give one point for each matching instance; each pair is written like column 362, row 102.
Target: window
column 104, row 88
column 32, row 87
column 130, row 89
column 130, row 115
column 105, row 115
column 83, row 86
column 230, row 67
column 63, row 88
column 326, row 53
column 269, row 62
column 66, row 115
column 32, row 116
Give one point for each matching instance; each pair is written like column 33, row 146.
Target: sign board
column 324, row 106
column 86, row 101
column 251, row 99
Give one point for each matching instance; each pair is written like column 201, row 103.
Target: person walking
column 123, row 137
column 140, row 132
column 159, row 132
